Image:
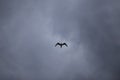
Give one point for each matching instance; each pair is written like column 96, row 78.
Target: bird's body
column 61, row 44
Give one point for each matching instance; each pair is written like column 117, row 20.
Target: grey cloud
column 30, row 28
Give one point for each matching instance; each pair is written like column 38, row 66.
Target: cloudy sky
column 29, row 29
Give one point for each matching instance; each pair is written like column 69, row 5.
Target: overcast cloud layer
column 29, row 29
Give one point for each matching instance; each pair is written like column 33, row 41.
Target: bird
column 61, row 44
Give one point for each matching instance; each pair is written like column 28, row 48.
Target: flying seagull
column 61, row 44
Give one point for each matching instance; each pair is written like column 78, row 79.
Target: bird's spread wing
column 65, row 44
column 57, row 44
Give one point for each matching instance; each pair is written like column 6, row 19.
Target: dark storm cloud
column 30, row 28
column 100, row 30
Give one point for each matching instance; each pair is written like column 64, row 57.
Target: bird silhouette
column 61, row 44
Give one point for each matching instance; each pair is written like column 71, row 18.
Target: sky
column 29, row 30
